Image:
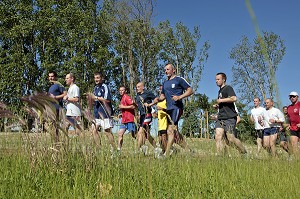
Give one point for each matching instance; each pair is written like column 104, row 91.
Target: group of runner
column 268, row 122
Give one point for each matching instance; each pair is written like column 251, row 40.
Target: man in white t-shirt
column 260, row 118
column 72, row 100
column 276, row 118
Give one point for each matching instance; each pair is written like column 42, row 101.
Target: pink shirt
column 294, row 116
column 127, row 114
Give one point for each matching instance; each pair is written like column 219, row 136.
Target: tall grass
column 38, row 171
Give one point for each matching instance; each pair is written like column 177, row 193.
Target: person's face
column 122, row 91
column 269, row 104
column 285, row 110
column 139, row 88
column 97, row 79
column 169, row 70
column 68, row 79
column 256, row 102
column 219, row 80
column 51, row 77
column 293, row 98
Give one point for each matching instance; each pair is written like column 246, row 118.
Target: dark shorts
column 175, row 115
column 73, row 120
column 295, row 133
column 228, row 125
column 259, row 133
column 271, row 131
column 130, row 126
column 283, row 137
column 145, row 120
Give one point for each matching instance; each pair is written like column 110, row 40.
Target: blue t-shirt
column 174, row 87
column 57, row 89
column 105, row 109
column 145, row 97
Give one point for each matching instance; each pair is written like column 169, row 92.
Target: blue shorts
column 271, row 131
column 175, row 115
column 130, row 126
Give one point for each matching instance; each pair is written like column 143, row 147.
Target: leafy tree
column 255, row 66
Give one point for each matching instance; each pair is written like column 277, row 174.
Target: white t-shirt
column 262, row 113
column 73, row 108
column 276, row 114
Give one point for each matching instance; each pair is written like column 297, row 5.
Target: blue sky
column 224, row 22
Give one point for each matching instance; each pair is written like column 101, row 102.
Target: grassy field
column 32, row 168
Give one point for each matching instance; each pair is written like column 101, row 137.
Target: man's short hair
column 223, row 76
column 72, row 76
column 257, row 98
column 98, row 73
column 53, row 72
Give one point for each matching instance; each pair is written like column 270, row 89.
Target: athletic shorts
column 73, row 120
column 145, row 120
column 175, row 115
column 283, row 137
column 130, row 126
column 271, row 131
column 295, row 133
column 259, row 133
column 228, row 125
column 106, row 123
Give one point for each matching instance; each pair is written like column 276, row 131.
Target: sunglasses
column 293, row 96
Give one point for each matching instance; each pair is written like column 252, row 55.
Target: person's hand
column 216, row 106
column 176, row 98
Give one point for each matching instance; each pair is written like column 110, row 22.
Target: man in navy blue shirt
column 143, row 98
column 56, row 91
column 103, row 110
column 174, row 89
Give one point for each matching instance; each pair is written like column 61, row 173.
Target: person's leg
column 120, row 137
column 141, row 138
column 218, row 137
column 294, row 143
column 259, row 143
column 273, row 139
column 95, row 133
column 163, row 139
column 232, row 139
column 266, row 143
column 110, row 138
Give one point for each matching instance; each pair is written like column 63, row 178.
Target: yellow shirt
column 162, row 116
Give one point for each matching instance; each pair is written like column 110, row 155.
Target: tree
column 255, row 66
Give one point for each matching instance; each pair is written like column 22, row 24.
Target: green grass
column 31, row 168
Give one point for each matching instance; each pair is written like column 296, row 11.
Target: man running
column 103, row 110
column 127, row 110
column 294, row 117
column 260, row 118
column 276, row 118
column 143, row 99
column 72, row 100
column 174, row 89
column 284, row 131
column 227, row 115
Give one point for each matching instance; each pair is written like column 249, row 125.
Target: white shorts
column 105, row 123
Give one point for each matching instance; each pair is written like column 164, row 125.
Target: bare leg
column 218, row 137
column 120, row 138
column 141, row 137
column 266, row 143
column 273, row 139
column 171, row 137
column 294, row 144
column 110, row 138
column 232, row 139
column 259, row 143
column 96, row 135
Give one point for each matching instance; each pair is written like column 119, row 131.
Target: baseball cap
column 293, row 93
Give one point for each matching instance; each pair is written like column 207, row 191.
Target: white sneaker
column 157, row 152
column 144, row 149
